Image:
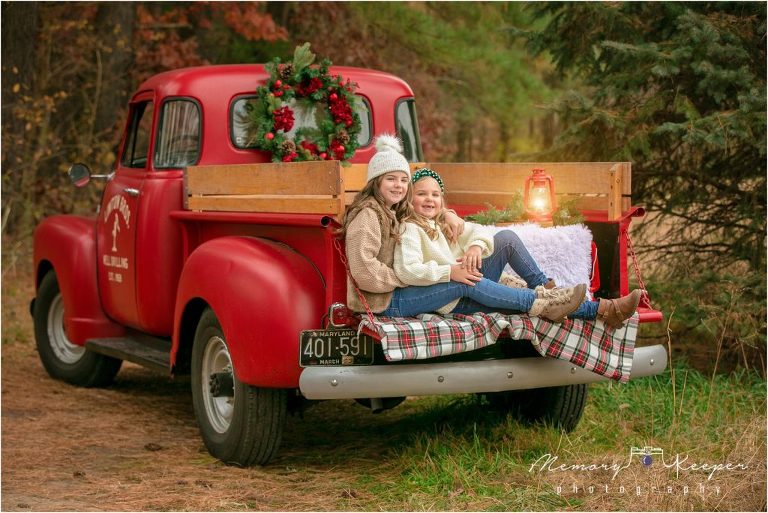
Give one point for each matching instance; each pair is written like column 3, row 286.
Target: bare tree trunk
column 461, row 143
column 114, row 22
column 548, row 130
column 503, row 141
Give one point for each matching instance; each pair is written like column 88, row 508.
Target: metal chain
column 342, row 256
column 646, row 299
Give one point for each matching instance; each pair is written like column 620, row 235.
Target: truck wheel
column 240, row 424
column 561, row 407
column 61, row 358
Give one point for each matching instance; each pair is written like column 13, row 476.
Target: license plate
column 334, row 348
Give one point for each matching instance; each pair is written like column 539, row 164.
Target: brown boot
column 550, row 284
column 555, row 304
column 614, row 312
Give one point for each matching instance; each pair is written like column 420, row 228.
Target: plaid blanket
column 588, row 344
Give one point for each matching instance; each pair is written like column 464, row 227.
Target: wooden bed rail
column 300, row 188
column 327, row 187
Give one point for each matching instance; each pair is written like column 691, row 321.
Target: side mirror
column 80, row 174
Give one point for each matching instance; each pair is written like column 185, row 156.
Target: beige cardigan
column 370, row 253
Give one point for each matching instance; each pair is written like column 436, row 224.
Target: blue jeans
column 509, row 249
column 410, row 301
column 487, row 295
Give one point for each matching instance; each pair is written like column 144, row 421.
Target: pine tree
column 679, row 90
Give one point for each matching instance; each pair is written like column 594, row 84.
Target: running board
column 145, row 350
column 461, row 377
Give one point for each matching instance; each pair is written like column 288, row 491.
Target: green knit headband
column 425, row 171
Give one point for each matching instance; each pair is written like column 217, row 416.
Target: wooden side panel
column 264, row 203
column 326, row 187
column 300, row 187
column 354, row 177
column 272, row 178
column 592, row 185
column 502, row 199
column 569, row 177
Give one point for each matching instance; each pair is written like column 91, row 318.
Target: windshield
column 305, row 116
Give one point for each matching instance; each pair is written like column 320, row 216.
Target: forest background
column 678, row 89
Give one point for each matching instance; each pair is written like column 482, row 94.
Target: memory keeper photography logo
column 646, row 456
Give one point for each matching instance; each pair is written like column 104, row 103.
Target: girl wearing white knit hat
column 371, row 226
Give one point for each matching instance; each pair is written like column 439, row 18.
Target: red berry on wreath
column 333, row 97
column 278, row 83
column 278, row 93
column 323, row 155
column 269, row 136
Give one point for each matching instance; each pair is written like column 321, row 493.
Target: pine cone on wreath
column 288, row 147
column 343, row 137
column 286, row 71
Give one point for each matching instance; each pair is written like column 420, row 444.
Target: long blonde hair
column 391, row 217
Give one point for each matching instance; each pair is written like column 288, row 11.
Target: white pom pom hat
column 388, row 157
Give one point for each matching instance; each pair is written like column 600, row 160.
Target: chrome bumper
column 461, row 377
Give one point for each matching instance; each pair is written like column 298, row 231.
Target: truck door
column 118, row 218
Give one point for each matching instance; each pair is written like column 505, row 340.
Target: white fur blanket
column 564, row 253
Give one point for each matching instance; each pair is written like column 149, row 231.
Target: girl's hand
column 472, row 259
column 461, row 275
column 455, row 226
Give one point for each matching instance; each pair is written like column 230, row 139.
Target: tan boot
column 555, row 304
column 614, row 312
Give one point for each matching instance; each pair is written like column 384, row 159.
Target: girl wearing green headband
column 446, row 278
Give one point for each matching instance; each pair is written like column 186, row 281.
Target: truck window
column 137, row 142
column 408, row 130
column 178, row 141
column 303, row 117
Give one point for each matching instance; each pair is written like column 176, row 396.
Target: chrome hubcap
column 64, row 350
column 218, row 408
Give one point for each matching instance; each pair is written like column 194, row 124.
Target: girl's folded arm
column 476, row 235
column 409, row 261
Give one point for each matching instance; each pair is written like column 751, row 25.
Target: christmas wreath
column 297, row 85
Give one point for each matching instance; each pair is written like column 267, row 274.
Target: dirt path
column 135, row 445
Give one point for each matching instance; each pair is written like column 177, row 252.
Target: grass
column 461, row 457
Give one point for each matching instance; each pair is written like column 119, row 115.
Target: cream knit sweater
column 422, row 261
column 370, row 252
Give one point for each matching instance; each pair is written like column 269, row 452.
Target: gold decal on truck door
column 115, row 231
column 119, row 206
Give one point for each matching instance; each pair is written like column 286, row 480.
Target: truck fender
column 67, row 244
column 263, row 293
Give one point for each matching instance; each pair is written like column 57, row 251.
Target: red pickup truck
column 247, row 296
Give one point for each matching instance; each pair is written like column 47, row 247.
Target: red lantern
column 539, row 197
